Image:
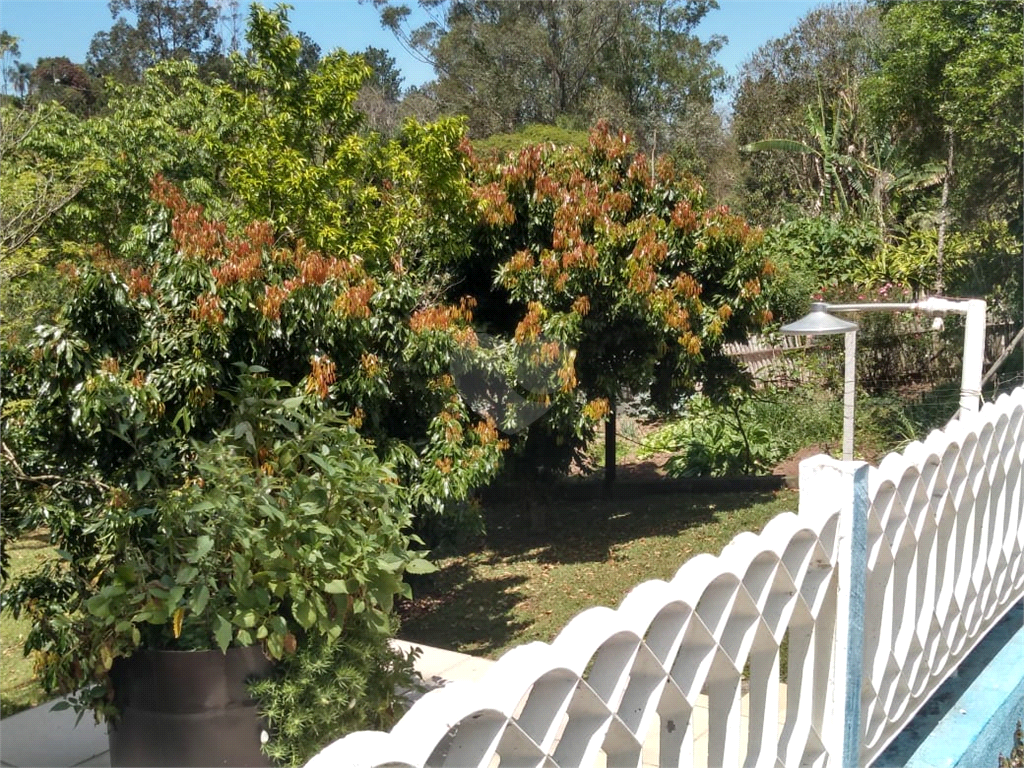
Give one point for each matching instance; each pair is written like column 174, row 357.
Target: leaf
column 245, row 428
column 275, row 646
column 202, row 597
column 222, row 633
column 61, row 705
column 336, row 587
column 203, row 546
column 420, row 566
column 186, row 574
column 142, row 478
column 304, row 614
column 179, row 616
column 98, row 605
column 317, row 497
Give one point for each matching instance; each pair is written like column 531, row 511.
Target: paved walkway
column 42, row 738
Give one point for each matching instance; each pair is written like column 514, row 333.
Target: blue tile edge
column 970, row 718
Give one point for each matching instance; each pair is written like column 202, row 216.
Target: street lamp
column 820, row 323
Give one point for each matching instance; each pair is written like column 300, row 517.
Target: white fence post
column 844, row 484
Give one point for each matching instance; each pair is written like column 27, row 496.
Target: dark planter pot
column 187, row 708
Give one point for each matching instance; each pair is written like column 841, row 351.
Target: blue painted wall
column 970, row 719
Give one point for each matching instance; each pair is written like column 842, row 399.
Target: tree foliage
column 508, row 64
column 951, row 74
column 61, row 80
column 620, row 260
column 146, row 32
column 38, row 184
column 320, row 264
column 325, row 263
column 817, row 67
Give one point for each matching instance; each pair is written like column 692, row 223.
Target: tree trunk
column 609, row 444
column 940, row 250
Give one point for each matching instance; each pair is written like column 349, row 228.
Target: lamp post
column 820, row 323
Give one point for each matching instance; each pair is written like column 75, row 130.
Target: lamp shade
column 818, row 323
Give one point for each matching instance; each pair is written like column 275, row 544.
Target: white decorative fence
column 945, row 539
column 886, row 578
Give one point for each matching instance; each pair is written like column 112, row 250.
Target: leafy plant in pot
column 275, row 560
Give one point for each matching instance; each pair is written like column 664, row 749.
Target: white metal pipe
column 849, row 394
column 974, row 338
column 871, row 307
column 974, row 357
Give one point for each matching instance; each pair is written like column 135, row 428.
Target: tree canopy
column 508, row 64
column 146, row 32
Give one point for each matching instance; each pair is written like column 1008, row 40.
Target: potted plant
column 274, row 559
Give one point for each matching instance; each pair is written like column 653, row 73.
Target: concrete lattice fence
column 945, row 535
column 881, row 584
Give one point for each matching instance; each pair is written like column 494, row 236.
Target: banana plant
column 837, row 172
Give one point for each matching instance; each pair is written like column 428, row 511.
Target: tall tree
column 381, row 94
column 385, row 77
column 510, row 63
column 624, row 262
column 9, row 53
column 826, row 55
column 60, row 79
column 36, row 187
column 951, row 83
column 149, row 31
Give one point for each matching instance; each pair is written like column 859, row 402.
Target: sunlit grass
column 516, row 586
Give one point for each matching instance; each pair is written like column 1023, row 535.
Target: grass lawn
column 18, row 688
column 515, row 586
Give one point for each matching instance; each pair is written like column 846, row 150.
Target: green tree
column 61, row 80
column 149, row 31
column 385, row 77
column 321, row 255
column 9, row 53
column 508, row 64
column 816, row 67
column 381, row 94
column 37, row 185
column 950, row 85
column 622, row 262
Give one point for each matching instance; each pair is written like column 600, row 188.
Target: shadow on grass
column 588, row 531
column 519, row 584
column 482, row 609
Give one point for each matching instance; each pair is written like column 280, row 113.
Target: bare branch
column 48, row 480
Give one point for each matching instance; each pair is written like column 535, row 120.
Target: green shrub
column 746, row 436
column 501, row 144
column 753, row 432
column 329, row 688
column 285, row 530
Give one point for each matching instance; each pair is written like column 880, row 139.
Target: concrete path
column 43, row 738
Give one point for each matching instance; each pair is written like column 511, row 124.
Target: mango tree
column 617, row 256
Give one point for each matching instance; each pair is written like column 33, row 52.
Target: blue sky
column 65, row 27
